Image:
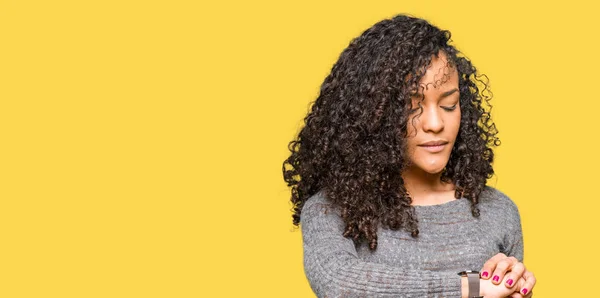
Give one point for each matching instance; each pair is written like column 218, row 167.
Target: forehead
column 439, row 76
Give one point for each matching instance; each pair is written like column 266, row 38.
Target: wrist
column 464, row 287
column 470, row 284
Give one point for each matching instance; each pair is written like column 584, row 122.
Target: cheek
column 410, row 142
column 457, row 121
column 453, row 123
column 412, row 129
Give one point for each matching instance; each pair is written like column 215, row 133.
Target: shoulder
column 493, row 196
column 492, row 199
column 318, row 198
column 317, row 205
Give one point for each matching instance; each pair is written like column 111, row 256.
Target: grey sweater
column 450, row 240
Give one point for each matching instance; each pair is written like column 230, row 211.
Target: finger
column 490, row 266
column 529, row 282
column 515, row 273
column 501, row 268
column 518, row 295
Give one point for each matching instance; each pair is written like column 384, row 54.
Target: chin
column 434, row 171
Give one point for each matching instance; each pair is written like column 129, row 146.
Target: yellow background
column 141, row 142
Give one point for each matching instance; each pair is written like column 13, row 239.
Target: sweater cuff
column 451, row 284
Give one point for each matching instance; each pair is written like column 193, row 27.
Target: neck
column 425, row 188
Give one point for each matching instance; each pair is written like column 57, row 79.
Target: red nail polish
column 496, row 278
column 509, row 282
column 484, row 274
column 524, row 291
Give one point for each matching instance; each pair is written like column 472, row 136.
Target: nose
column 431, row 120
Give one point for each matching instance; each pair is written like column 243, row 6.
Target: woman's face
column 432, row 133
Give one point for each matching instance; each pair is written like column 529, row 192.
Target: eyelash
column 450, row 109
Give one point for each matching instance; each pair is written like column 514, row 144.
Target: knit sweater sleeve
column 513, row 237
column 334, row 269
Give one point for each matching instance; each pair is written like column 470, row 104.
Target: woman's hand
column 510, row 272
column 491, row 290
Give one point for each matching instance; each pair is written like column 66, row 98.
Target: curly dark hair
column 353, row 143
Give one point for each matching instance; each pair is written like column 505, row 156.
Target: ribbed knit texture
column 450, row 240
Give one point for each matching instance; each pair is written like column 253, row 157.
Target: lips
column 434, row 146
column 433, row 143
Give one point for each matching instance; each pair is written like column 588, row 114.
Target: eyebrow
column 445, row 94
column 448, row 93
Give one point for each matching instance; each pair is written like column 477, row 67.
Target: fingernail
column 496, row 278
column 524, row 291
column 509, row 282
column 484, row 274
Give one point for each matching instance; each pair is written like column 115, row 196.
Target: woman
column 388, row 176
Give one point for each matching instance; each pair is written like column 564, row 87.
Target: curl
column 353, row 143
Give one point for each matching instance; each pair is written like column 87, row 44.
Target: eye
column 450, row 109
column 415, row 106
column 414, row 110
